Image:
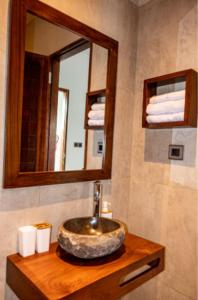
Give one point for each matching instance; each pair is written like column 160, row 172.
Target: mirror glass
column 63, row 100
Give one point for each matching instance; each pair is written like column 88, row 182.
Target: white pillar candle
column 43, row 235
column 27, row 240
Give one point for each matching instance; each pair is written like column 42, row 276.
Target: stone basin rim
column 121, row 225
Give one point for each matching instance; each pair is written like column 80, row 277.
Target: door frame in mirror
column 12, row 176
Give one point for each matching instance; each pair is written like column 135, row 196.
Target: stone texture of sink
column 90, row 237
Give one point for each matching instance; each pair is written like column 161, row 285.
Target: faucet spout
column 97, row 198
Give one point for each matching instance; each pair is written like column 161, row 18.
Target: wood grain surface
column 58, row 275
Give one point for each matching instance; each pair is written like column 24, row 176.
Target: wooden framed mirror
column 61, row 98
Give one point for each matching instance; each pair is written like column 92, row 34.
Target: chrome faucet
column 96, row 198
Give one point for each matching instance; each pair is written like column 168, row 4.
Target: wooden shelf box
column 58, row 275
column 93, row 97
column 186, row 79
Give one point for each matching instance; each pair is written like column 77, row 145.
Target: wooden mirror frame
column 12, row 175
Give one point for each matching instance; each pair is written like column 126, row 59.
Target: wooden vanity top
column 57, row 275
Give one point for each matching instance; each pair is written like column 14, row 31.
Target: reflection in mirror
column 61, row 129
column 64, row 79
column 98, row 68
column 73, row 75
column 95, row 148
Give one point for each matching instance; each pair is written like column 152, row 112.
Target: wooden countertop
column 57, row 275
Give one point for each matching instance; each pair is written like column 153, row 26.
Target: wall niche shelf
column 92, row 98
column 186, row 80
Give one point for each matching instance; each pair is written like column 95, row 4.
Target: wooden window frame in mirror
column 12, row 176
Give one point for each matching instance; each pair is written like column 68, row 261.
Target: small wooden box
column 189, row 77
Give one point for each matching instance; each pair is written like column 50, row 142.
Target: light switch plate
column 176, row 152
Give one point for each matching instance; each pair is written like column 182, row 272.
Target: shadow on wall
column 157, row 143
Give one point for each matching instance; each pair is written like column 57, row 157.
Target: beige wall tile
column 148, row 168
column 187, row 40
column 148, row 210
column 185, row 172
column 164, row 292
column 120, row 194
column 14, row 199
column 9, row 294
column 123, row 124
column 181, row 263
column 65, row 192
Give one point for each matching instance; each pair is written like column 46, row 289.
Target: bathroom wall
column 163, row 194
column 156, row 197
column 18, row 207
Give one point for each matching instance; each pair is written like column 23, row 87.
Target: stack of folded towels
column 166, row 107
column 96, row 114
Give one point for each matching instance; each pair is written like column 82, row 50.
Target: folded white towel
column 165, row 118
column 98, row 106
column 95, row 122
column 168, row 97
column 96, row 114
column 166, row 107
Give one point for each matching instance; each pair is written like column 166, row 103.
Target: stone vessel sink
column 91, row 237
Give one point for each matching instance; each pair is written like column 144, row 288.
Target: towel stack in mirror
column 96, row 114
column 166, row 107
